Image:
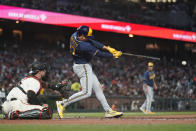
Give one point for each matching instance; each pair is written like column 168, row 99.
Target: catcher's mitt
column 64, row 89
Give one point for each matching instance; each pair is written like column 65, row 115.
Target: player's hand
column 60, row 85
column 117, row 54
column 110, row 49
column 64, row 82
column 45, row 105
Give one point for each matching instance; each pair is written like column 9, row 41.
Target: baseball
column 184, row 63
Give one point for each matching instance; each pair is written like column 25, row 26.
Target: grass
column 126, row 114
column 162, row 127
column 97, row 127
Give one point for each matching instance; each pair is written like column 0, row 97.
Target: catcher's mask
column 37, row 66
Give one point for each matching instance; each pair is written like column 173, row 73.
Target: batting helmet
column 150, row 64
column 85, row 30
column 37, row 66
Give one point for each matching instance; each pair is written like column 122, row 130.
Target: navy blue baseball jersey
column 83, row 51
column 149, row 78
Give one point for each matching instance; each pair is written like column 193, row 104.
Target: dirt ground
column 171, row 119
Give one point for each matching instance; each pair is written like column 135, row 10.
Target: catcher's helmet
column 37, row 66
column 85, row 30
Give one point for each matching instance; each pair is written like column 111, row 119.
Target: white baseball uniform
column 17, row 100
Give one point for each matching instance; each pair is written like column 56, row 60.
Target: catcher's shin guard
column 45, row 113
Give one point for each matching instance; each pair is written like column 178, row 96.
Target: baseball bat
column 148, row 57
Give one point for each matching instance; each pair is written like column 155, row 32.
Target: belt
column 80, row 63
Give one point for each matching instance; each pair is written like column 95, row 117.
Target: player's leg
column 99, row 93
column 144, row 105
column 26, row 111
column 84, row 72
column 45, row 113
column 152, row 96
column 101, row 97
column 149, row 100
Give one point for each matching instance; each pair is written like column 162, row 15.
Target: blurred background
column 23, row 42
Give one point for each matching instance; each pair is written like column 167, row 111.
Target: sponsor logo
column 116, row 27
column 41, row 17
column 184, row 37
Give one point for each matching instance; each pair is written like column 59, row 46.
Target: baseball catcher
column 22, row 101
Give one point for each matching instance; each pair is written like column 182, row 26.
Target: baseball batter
column 83, row 49
column 149, row 84
column 22, row 101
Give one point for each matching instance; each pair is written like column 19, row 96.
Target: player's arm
column 33, row 91
column 32, row 98
column 97, row 44
column 93, row 51
column 155, row 85
column 99, row 53
column 108, row 48
column 90, row 49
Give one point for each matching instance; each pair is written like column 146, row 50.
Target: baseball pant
column 18, row 105
column 88, row 81
column 149, row 98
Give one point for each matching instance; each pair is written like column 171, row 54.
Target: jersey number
column 72, row 49
column 73, row 46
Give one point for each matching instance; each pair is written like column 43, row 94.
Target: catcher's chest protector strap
column 19, row 87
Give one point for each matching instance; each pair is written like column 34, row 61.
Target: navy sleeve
column 93, row 51
column 145, row 77
column 96, row 44
column 103, row 54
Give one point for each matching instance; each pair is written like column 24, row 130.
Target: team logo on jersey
column 152, row 76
